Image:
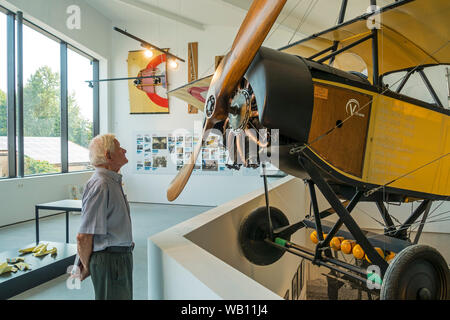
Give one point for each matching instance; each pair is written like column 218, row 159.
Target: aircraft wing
column 194, row 92
column 411, row 33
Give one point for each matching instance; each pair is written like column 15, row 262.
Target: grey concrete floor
column 147, row 219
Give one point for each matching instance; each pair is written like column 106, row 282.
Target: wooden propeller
column 257, row 24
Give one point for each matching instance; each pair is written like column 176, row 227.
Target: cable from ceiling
column 308, row 11
column 281, row 23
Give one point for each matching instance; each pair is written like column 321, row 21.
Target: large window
column 416, row 87
column 57, row 115
column 41, row 103
column 80, row 109
column 3, row 106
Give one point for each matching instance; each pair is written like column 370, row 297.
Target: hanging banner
column 148, row 95
column 192, row 68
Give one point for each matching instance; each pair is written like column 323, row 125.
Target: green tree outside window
column 42, row 115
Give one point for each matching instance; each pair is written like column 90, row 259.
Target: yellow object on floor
column 390, row 256
column 23, row 266
column 52, row 251
column 335, row 243
column 314, row 238
column 27, row 250
column 41, row 251
column 347, row 246
column 44, row 251
column 380, row 252
column 4, row 268
column 38, row 248
column 15, row 260
column 358, row 252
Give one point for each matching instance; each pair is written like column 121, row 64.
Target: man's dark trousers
column 112, row 275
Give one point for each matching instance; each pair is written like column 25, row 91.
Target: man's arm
column 84, row 247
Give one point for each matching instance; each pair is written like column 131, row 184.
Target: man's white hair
column 99, row 146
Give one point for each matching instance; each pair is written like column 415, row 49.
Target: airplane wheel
column 254, row 229
column 418, row 272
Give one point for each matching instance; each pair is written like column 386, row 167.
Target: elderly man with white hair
column 104, row 239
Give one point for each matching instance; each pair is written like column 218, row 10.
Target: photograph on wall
column 210, row 165
column 212, row 141
column 148, row 94
column 159, row 162
column 205, row 154
column 147, row 164
column 159, row 143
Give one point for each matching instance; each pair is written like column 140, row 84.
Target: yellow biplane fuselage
column 359, row 136
column 405, row 142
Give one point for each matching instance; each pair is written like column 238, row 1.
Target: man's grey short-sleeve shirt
column 105, row 211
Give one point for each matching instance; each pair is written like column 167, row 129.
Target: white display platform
column 201, row 258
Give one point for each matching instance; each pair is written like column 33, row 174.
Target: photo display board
column 165, row 153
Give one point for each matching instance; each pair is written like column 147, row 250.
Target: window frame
column 15, row 22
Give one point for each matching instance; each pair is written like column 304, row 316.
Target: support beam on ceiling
column 170, row 15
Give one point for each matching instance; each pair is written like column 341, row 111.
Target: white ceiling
column 311, row 15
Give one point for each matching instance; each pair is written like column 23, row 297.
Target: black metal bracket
column 156, row 77
column 390, row 230
column 422, row 223
column 285, row 232
column 401, row 232
column 317, row 219
column 340, row 20
column 266, row 195
column 352, row 204
column 343, row 214
column 321, row 60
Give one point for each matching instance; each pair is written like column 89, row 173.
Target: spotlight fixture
column 148, row 53
column 173, row 64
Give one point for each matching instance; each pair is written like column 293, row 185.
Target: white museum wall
column 18, row 196
column 213, row 41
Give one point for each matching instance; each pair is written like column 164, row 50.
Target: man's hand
column 84, row 272
column 84, row 246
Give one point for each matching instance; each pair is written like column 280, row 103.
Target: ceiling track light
column 150, row 48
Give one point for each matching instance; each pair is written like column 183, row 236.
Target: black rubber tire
column 410, row 270
column 254, row 229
